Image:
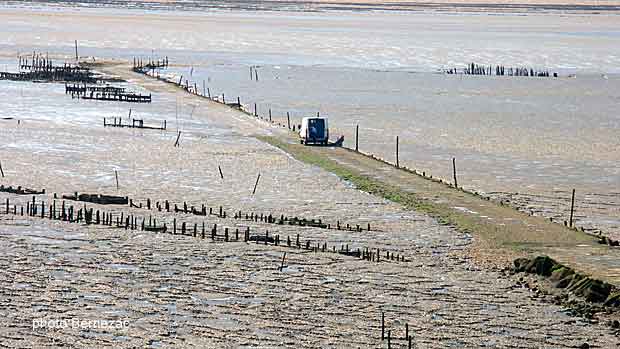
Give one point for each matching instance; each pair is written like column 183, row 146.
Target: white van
column 314, row 130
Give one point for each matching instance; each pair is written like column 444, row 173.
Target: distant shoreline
column 492, row 6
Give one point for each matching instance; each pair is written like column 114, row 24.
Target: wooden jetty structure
column 85, row 89
column 499, row 70
column 106, row 93
column 135, row 123
column 40, row 68
column 52, row 75
column 140, row 66
column 119, row 97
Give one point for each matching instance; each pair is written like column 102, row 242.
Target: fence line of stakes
column 89, row 216
column 168, row 206
column 271, row 218
column 568, row 223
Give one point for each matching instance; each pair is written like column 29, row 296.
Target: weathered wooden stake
column 221, row 175
column 406, row 331
column 288, row 120
column 256, row 184
column 382, row 325
column 456, row 185
column 116, row 175
column 357, row 130
column 572, row 208
column 282, row 264
column 1, row 171
column 397, row 163
column 76, row 52
column 176, row 143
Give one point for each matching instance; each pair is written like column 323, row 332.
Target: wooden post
column 288, row 120
column 176, row 143
column 357, row 130
column 1, row 171
column 204, row 88
column 406, row 331
column 389, row 341
column 572, row 208
column 256, row 184
column 382, row 325
column 255, row 110
column 269, row 114
column 282, row 264
column 397, row 163
column 116, row 175
column 221, row 175
column 77, row 59
column 456, row 185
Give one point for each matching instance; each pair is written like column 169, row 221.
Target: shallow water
column 181, row 291
column 531, row 136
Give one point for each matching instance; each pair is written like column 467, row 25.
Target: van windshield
column 316, row 128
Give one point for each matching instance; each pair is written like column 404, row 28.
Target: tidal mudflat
column 382, row 69
column 174, row 290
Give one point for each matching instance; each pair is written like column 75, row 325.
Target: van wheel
column 301, row 141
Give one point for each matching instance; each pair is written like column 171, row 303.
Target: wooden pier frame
column 499, row 70
column 135, row 123
column 40, row 68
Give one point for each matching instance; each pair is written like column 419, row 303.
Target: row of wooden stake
column 252, row 216
column 89, row 216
